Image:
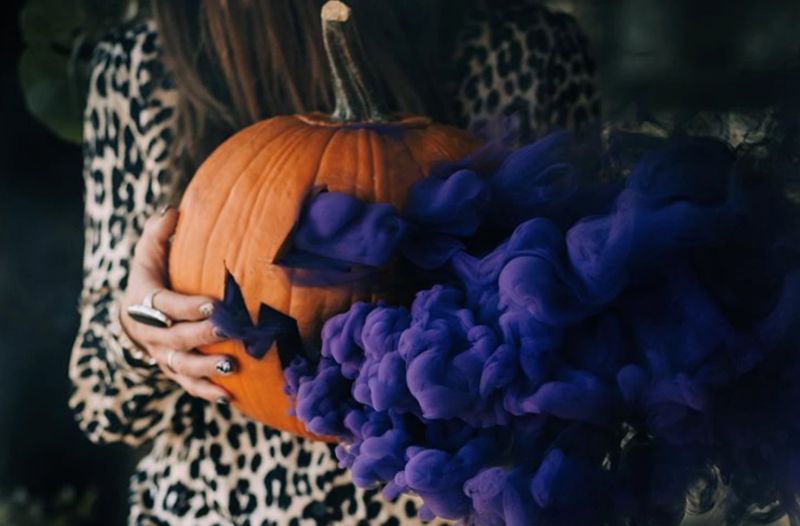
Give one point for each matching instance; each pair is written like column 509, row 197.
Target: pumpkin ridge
column 260, row 150
column 322, row 156
column 444, row 153
column 315, row 181
column 289, row 311
column 441, row 152
column 364, row 152
column 440, row 149
column 255, row 133
column 290, row 271
column 224, row 202
column 198, row 280
column 378, row 173
column 243, row 221
column 420, row 168
column 464, row 148
column 266, row 183
column 212, row 161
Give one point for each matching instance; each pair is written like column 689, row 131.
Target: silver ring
column 149, row 315
column 171, row 358
column 148, row 300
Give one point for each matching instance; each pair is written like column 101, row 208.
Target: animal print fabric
column 210, row 465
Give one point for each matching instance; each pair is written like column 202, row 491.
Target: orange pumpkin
column 240, row 207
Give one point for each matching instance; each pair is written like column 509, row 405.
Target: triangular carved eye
column 287, row 246
column 340, row 239
column 272, row 327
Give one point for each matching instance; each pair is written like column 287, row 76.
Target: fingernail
column 163, row 210
column 224, row 367
column 219, row 333
column 206, row 309
column 223, row 400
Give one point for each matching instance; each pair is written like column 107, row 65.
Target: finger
column 201, row 388
column 183, row 336
column 181, row 307
column 151, row 249
column 198, row 365
column 186, row 336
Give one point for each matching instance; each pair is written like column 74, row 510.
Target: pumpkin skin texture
column 241, row 206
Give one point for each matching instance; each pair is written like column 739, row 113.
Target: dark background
column 45, row 462
column 685, row 55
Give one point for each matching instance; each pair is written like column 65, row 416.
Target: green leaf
column 54, row 68
column 45, row 21
column 51, row 95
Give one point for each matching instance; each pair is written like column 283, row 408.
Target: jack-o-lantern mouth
column 271, row 328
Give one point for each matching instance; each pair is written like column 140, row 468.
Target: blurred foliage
column 59, row 37
column 728, row 69
column 753, row 131
column 767, row 138
column 67, row 508
column 693, row 54
column 681, row 55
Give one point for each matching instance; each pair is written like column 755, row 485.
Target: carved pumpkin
column 239, row 209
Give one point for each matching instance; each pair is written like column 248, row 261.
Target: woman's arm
column 118, row 395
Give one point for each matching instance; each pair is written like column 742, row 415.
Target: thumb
column 152, row 248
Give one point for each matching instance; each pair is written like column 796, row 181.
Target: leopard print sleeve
column 117, row 395
column 207, row 464
column 524, row 69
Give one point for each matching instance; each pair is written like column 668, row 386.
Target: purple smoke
column 591, row 351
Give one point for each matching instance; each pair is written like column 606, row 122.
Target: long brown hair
column 235, row 62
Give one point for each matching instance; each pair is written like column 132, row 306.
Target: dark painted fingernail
column 163, row 210
column 219, row 333
column 223, row 400
column 206, row 309
column 225, row 367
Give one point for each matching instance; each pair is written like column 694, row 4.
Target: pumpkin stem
column 354, row 88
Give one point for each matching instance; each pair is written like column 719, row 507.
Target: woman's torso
column 211, row 465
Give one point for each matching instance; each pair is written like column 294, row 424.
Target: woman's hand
column 173, row 348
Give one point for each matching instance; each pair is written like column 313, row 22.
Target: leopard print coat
column 209, row 465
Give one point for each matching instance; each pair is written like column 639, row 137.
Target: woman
column 163, row 94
